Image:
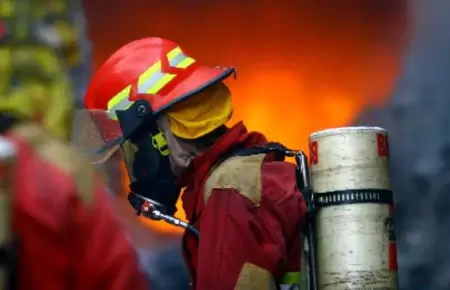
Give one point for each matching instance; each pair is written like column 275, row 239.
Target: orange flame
column 301, row 67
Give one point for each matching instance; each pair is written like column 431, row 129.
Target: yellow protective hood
column 201, row 113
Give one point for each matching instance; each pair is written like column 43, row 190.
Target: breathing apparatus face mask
column 146, row 154
column 139, row 142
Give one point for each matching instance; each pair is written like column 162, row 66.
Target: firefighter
column 247, row 209
column 64, row 231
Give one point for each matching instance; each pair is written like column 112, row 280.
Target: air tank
column 354, row 229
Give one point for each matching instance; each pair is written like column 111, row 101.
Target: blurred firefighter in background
column 247, row 209
column 46, row 28
column 64, row 233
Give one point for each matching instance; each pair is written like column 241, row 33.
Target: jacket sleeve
column 246, row 235
column 106, row 258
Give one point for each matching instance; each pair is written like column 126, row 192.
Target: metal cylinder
column 352, row 194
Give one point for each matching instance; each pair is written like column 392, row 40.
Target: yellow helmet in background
column 34, row 79
column 34, row 85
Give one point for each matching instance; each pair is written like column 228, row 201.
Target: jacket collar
column 237, row 137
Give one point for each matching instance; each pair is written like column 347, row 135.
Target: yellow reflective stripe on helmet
column 119, row 97
column 151, row 81
column 148, row 73
column 173, row 53
column 178, row 59
column 154, row 82
column 119, row 102
column 185, row 63
column 123, row 105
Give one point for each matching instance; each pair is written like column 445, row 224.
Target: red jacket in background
column 249, row 213
column 68, row 236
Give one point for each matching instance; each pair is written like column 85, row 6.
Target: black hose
column 157, row 215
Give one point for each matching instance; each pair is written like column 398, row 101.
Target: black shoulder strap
column 263, row 149
column 274, row 147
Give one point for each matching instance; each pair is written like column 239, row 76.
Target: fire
column 301, row 67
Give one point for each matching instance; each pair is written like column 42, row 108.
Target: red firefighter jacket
column 249, row 213
column 68, row 236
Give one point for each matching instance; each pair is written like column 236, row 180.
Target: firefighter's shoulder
column 62, row 156
column 251, row 176
column 241, row 173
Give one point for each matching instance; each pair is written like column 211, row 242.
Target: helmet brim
column 201, row 78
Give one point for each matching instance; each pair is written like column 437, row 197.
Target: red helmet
column 154, row 69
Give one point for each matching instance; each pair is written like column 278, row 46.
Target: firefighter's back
column 67, row 235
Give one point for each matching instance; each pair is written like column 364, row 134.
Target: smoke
column 417, row 117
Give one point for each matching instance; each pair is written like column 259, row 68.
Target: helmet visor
column 100, row 139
